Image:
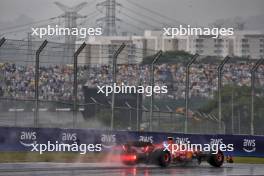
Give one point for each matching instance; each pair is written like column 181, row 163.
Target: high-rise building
column 248, row 43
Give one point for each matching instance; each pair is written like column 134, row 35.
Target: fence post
column 130, row 114
column 36, row 111
column 170, row 111
column 157, row 110
column 115, row 55
column 187, row 87
column 2, row 41
column 137, row 111
column 75, row 82
column 219, row 87
column 156, row 57
column 95, row 104
column 137, row 107
column 253, row 77
column 232, row 111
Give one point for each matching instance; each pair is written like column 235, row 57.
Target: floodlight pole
column 253, row 77
column 156, row 57
column 75, row 83
column 36, row 111
column 219, row 87
column 187, row 87
column 115, row 55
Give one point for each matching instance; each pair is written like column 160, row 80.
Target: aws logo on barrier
column 249, row 145
column 69, row 137
column 28, row 138
column 216, row 141
column 108, row 140
column 182, row 140
column 146, row 139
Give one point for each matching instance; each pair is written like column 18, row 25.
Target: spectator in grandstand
column 56, row 82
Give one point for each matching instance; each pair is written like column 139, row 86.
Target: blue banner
column 17, row 139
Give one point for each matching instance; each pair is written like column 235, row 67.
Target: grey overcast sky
column 188, row 11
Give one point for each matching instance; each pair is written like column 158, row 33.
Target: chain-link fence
column 204, row 94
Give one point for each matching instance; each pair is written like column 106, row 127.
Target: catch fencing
column 47, row 84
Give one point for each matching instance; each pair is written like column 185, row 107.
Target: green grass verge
column 249, row 160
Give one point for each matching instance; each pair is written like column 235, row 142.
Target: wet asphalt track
column 110, row 169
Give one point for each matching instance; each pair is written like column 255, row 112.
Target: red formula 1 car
column 146, row 152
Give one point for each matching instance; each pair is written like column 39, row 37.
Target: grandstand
column 57, row 103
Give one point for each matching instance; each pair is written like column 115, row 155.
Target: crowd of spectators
column 56, row 81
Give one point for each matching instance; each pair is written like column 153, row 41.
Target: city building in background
column 241, row 44
column 248, row 43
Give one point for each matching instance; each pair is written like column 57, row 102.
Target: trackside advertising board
column 19, row 139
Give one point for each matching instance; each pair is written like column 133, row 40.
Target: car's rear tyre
column 217, row 159
column 199, row 160
column 162, row 158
